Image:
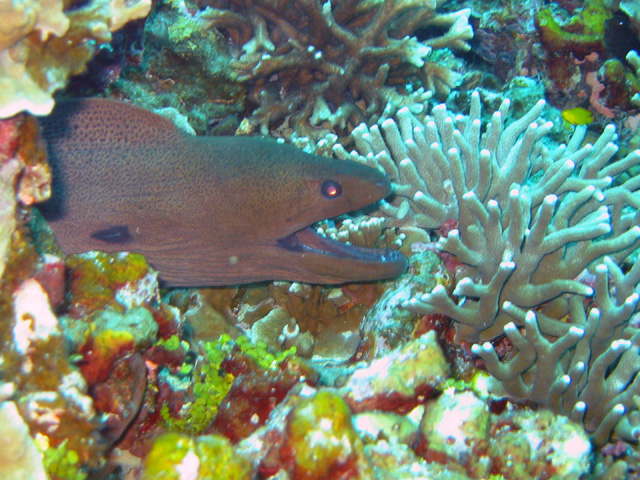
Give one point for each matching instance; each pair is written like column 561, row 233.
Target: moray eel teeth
column 203, row 210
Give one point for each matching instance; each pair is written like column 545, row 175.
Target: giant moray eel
column 203, row 210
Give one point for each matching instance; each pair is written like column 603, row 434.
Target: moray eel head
column 312, row 189
column 204, row 210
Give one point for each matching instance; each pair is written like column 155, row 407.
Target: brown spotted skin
column 203, row 210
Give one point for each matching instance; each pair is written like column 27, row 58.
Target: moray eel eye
column 331, row 189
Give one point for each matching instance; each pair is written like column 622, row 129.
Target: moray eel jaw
column 303, row 256
column 336, row 262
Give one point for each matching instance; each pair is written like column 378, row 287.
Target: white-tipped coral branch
column 531, row 216
column 590, row 372
column 313, row 63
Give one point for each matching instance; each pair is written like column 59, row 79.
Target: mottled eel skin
column 203, row 210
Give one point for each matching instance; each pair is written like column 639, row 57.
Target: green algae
column 581, row 33
column 62, row 463
column 211, row 385
column 259, row 353
column 171, row 344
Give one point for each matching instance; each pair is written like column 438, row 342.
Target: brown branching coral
column 309, row 62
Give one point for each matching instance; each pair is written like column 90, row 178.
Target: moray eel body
column 203, row 210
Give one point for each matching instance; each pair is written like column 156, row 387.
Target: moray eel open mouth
column 326, row 260
column 309, row 240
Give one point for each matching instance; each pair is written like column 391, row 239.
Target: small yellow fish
column 577, row 116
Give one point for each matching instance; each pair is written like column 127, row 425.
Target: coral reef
column 456, row 428
column 51, row 394
column 541, row 214
column 43, row 43
column 20, row 458
column 518, row 242
column 581, row 34
column 530, row 221
column 330, row 323
column 183, row 73
column 311, row 65
column 174, row 456
column 589, row 373
column 25, row 178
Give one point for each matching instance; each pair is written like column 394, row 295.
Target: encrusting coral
column 43, row 43
column 308, row 62
column 20, row 458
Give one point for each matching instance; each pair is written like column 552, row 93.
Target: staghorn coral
column 313, row 64
column 530, row 218
column 43, row 43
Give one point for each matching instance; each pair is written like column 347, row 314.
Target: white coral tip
column 580, row 406
column 576, row 331
column 510, row 328
column 620, row 345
